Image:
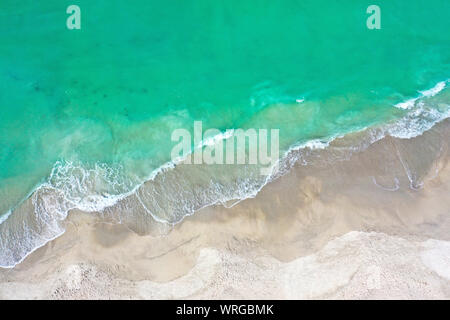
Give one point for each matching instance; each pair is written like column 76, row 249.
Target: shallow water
column 86, row 115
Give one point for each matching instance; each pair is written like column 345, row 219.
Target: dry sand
column 350, row 229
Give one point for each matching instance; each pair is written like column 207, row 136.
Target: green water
column 112, row 92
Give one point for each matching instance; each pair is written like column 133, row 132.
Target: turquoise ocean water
column 89, row 113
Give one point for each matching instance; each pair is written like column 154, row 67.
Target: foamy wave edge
column 409, row 126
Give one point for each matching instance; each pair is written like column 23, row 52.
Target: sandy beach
column 211, row 150
column 352, row 229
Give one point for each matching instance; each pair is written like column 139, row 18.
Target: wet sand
column 373, row 225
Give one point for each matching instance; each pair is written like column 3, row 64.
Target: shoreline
column 317, row 232
column 175, row 190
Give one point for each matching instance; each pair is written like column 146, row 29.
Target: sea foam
column 166, row 190
column 408, row 104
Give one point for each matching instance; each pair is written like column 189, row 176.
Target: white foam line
column 408, row 104
column 116, row 198
column 317, row 143
column 5, row 216
column 312, row 144
column 435, row 90
column 33, row 250
column 214, row 139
